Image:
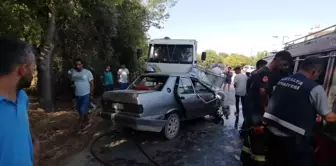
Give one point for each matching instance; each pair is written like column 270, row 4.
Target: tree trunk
column 44, row 65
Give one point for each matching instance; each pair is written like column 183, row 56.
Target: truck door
column 188, row 98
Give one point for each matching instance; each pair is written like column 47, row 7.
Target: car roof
column 168, row 74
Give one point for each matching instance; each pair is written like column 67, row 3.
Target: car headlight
column 118, row 106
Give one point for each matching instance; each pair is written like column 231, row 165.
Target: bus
column 322, row 44
column 172, row 55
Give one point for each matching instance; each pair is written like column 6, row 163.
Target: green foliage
column 232, row 60
column 98, row 31
column 235, row 60
column 211, row 58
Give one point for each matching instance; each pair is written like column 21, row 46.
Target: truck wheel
column 172, row 127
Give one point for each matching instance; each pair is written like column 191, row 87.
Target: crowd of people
column 279, row 109
column 83, row 85
column 18, row 144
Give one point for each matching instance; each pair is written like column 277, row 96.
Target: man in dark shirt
column 260, row 64
column 256, row 100
column 228, row 79
column 262, row 84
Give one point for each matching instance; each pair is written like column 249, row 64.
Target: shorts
column 82, row 104
column 109, row 87
column 227, row 82
column 123, row 86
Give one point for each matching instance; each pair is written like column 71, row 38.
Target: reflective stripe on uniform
column 258, row 158
column 284, row 123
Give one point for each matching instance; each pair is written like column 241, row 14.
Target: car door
column 207, row 97
column 187, row 97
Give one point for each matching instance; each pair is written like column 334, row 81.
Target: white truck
column 172, row 55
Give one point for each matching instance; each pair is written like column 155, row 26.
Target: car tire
column 172, row 127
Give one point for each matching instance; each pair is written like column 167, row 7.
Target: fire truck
column 323, row 44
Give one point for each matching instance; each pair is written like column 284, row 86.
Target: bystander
column 18, row 146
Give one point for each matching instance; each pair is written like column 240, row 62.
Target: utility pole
column 274, row 43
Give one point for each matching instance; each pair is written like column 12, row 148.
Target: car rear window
column 149, row 83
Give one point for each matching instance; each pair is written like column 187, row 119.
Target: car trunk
column 123, row 96
column 123, row 101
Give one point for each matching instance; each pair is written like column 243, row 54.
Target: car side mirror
column 203, row 57
column 139, row 53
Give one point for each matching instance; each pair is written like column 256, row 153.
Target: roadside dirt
column 57, row 132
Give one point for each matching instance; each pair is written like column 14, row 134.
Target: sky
column 244, row 26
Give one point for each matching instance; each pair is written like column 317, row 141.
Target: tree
column 233, row 60
column 211, row 58
column 98, row 31
column 261, row 55
column 223, row 54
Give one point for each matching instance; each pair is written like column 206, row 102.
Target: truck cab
column 171, row 55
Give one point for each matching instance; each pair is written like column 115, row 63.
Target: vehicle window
column 199, row 88
column 185, row 86
column 149, row 83
column 320, row 79
column 171, row 53
column 332, row 89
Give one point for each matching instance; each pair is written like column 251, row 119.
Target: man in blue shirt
column 18, row 147
column 107, row 79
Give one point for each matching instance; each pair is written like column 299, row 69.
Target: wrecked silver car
column 158, row 102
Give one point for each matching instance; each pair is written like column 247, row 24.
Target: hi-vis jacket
column 295, row 104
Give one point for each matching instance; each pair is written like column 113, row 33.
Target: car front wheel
column 172, row 127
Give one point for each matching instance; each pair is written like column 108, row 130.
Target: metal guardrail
column 306, row 38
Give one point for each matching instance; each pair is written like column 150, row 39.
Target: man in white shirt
column 123, row 77
column 240, row 88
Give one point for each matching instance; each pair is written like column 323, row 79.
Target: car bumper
column 106, row 115
column 136, row 123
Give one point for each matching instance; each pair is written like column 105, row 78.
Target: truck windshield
column 149, row 83
column 164, row 53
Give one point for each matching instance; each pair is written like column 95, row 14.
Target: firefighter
column 256, row 100
column 290, row 116
column 260, row 64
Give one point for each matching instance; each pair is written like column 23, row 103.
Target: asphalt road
column 200, row 143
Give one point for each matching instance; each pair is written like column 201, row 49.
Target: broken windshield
column 171, row 53
column 149, row 83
